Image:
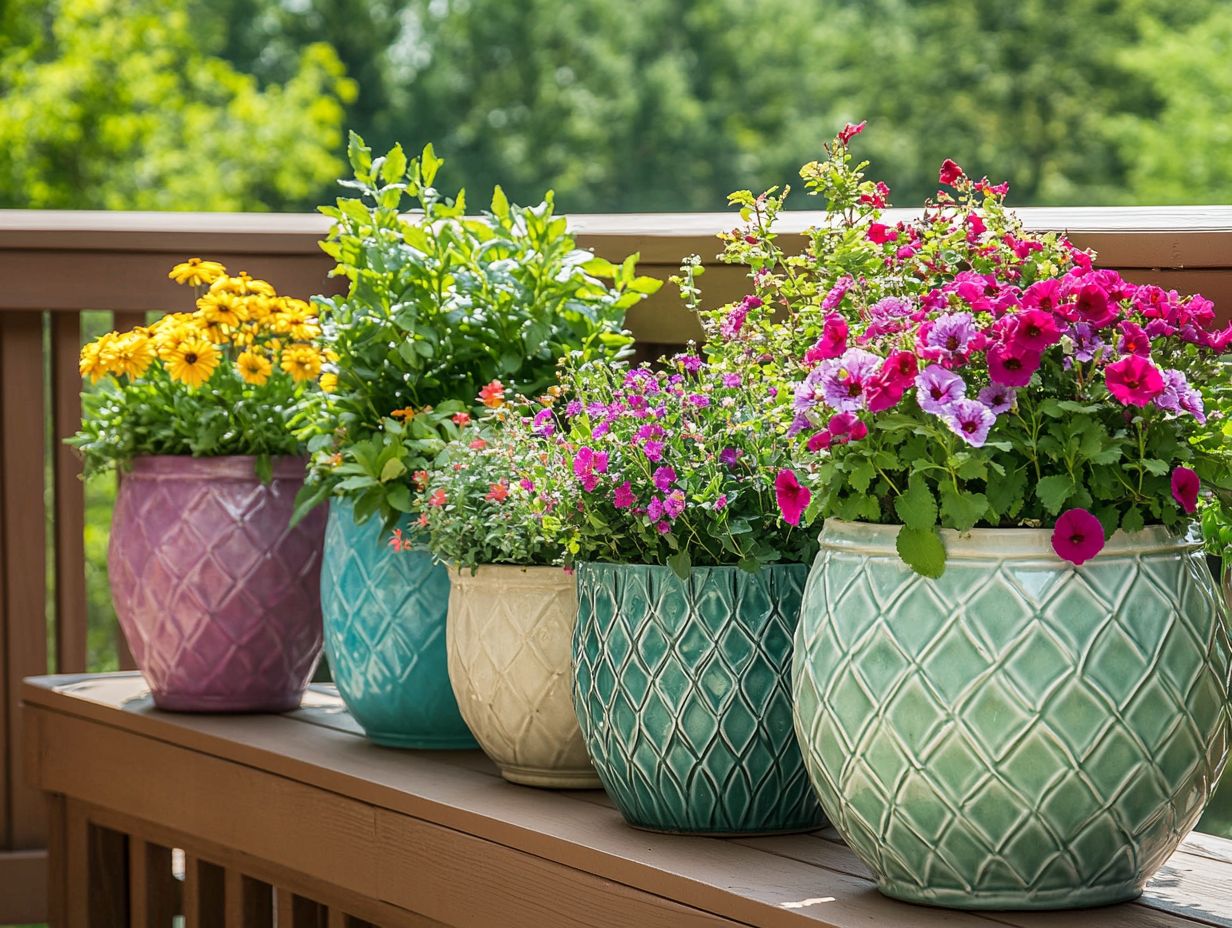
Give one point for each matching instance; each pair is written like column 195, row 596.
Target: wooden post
column 70, row 563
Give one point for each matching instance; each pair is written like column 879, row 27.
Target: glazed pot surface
column 508, row 638
column 683, row 697
column 1020, row 733
column 384, row 614
column 217, row 596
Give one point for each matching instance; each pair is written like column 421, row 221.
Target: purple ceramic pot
column 219, row 599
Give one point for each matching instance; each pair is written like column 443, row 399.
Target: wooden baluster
column 108, row 887
column 153, row 890
column 250, row 903
column 70, row 557
column 299, row 912
column 339, row 919
column 204, row 894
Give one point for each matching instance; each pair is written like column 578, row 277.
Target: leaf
column 917, row 507
column 1132, row 520
column 921, row 550
column 264, row 468
column 681, row 563
column 962, row 510
column 399, row 497
column 393, row 468
column 429, row 164
column 1154, row 466
column 1054, row 491
column 394, row 166
column 500, row 204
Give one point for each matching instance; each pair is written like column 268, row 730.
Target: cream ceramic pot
column 508, row 638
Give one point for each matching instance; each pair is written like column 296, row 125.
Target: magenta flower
column 850, row 131
column 1033, row 330
column 937, row 388
column 836, row 294
column 1043, row 294
column 1012, row 367
column 949, row 172
column 970, row 421
column 1093, row 306
column 729, row 456
column 653, row 450
column 673, row 504
column 1134, row 340
column 720, row 503
column 664, row 477
column 820, row 441
column 623, row 498
column 1134, row 380
column 543, row 424
column 1078, row 536
column 833, row 341
column 1185, row 486
column 792, row 497
column 879, row 234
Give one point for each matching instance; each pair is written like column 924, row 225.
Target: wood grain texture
column 153, row 891
column 22, row 560
column 107, row 889
column 70, row 558
column 250, row 902
column 204, row 894
column 23, row 887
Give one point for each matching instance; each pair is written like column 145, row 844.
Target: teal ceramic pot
column 683, row 698
column 384, row 614
column 1020, row 733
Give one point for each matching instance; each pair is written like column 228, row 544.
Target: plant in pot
column 444, row 315
column 1012, row 665
column 491, row 517
column 689, row 589
column 215, row 589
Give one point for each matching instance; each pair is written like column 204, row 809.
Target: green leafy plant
column 445, row 313
column 224, row 379
column 956, row 371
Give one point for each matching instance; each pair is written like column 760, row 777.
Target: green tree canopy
column 120, row 104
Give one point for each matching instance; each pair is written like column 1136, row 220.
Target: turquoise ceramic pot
column 1020, row 733
column 384, row 613
column 683, row 698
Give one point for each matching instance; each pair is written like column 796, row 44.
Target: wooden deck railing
column 55, row 265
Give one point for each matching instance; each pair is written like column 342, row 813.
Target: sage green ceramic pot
column 1020, row 733
column 683, row 696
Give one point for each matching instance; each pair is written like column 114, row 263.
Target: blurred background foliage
column 659, row 105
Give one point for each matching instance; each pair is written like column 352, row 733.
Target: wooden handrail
column 54, row 265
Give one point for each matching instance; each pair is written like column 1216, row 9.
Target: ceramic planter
column 682, row 693
column 509, row 638
column 217, row 596
column 384, row 616
column 1021, row 733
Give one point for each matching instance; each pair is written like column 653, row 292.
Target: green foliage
column 117, row 104
column 444, row 312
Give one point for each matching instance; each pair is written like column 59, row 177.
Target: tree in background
column 121, row 104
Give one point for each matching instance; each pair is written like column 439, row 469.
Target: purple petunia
column 664, row 477
column 623, row 498
column 729, row 456
column 950, row 337
column 543, row 423
column 843, row 380
column 998, row 398
column 653, row 450
column 673, row 504
column 1087, row 344
column 937, row 389
column 1178, row 396
column 970, row 421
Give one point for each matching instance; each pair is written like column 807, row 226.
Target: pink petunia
column 949, row 172
column 623, row 498
column 1185, row 486
column 1134, row 380
column 879, row 234
column 792, row 497
column 1078, row 536
column 1033, row 330
column 1012, row 366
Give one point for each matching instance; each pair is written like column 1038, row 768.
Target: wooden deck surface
column 431, row 838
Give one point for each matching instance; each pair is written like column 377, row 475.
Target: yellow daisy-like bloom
column 329, row 382
column 257, row 306
column 130, row 354
column 242, row 285
column 246, row 335
column 305, row 331
column 91, row 363
column 287, row 312
column 196, row 272
column 221, row 308
column 193, row 362
column 254, row 368
column 302, row 362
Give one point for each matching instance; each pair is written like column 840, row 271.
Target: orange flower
column 406, row 412
column 438, row 498
column 493, row 395
column 478, row 444
column 498, row 492
column 420, row 479
column 461, row 419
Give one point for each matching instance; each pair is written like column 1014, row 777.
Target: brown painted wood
column 204, row 894
column 76, row 867
column 154, row 892
column 23, row 886
column 295, row 911
column 339, row 919
column 70, row 558
column 439, row 823
column 56, row 900
column 250, row 902
column 108, row 886
column 22, row 521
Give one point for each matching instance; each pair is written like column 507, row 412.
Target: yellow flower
column 302, row 362
column 91, row 363
column 257, row 306
column 196, row 272
column 220, row 308
column 254, row 368
column 130, row 354
column 329, row 382
column 193, row 362
column 242, row 285
column 285, row 313
column 305, row 331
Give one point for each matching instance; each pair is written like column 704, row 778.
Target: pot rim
column 528, row 576
column 719, row 567
column 1000, row 543
column 221, row 467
